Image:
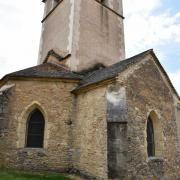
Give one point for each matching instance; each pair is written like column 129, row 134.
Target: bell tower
column 87, row 32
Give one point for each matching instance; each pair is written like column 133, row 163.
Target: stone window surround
column 35, row 129
column 22, row 126
column 158, row 136
column 155, row 159
column 39, row 151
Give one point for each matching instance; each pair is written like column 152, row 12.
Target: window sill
column 29, row 151
column 33, row 149
column 155, row 159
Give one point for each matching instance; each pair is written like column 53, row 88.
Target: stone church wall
column 177, row 111
column 78, row 139
column 90, row 133
column 147, row 93
column 54, row 100
column 3, row 126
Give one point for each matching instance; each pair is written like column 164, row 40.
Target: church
column 85, row 109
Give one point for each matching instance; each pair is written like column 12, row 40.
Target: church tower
column 82, row 33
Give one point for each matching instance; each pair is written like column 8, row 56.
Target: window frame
column 150, row 138
column 27, row 130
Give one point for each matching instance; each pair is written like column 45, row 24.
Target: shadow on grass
column 18, row 175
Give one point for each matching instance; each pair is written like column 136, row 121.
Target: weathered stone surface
column 78, row 137
column 146, row 91
column 117, row 150
column 4, row 102
column 177, row 113
column 54, row 100
column 90, row 134
column 87, row 30
column 117, row 107
column 99, row 132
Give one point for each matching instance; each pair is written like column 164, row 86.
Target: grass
column 18, row 175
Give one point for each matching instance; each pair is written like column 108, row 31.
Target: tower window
column 150, row 138
column 35, row 130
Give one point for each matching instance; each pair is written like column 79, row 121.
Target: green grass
column 18, row 175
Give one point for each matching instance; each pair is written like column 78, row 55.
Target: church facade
column 85, row 109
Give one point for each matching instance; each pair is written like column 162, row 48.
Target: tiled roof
column 111, row 71
column 46, row 70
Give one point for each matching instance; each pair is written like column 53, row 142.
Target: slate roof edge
column 5, row 79
column 150, row 51
column 113, row 76
column 12, row 75
column 81, row 88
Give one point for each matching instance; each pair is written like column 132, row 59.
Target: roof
column 110, row 71
column 46, row 70
column 93, row 76
column 113, row 70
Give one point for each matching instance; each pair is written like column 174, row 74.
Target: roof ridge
column 111, row 71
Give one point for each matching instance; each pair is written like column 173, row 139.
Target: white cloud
column 145, row 29
column 19, row 33
column 140, row 6
column 175, row 78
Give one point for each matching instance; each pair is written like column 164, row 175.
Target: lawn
column 16, row 175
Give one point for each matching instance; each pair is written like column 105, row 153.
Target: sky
column 148, row 24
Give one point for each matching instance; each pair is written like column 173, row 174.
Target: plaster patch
column 116, row 104
column 115, row 97
column 41, row 46
column 71, row 24
column 75, row 38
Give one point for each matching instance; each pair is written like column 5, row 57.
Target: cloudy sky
column 148, row 24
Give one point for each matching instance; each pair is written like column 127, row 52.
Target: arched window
column 155, row 137
column 150, row 138
column 35, row 130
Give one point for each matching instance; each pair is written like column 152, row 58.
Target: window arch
column 35, row 129
column 150, row 138
column 154, row 132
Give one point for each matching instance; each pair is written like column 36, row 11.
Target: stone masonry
column 79, row 131
column 95, row 103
